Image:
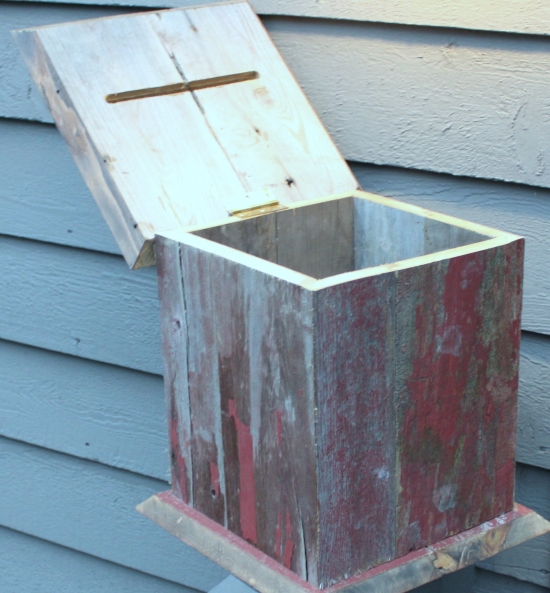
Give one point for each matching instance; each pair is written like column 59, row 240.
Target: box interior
column 338, row 236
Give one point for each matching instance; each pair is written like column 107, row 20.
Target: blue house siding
column 32, row 564
column 81, row 404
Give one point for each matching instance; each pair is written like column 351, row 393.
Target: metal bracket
column 258, row 209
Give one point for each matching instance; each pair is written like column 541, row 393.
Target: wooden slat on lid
column 164, row 162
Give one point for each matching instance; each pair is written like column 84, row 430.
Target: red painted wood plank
column 356, row 426
column 457, row 326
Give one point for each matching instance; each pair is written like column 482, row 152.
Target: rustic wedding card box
column 341, row 372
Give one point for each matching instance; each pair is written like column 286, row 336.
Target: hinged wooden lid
column 177, row 156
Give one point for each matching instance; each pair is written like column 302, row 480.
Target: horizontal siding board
column 529, row 561
column 91, row 410
column 117, row 416
column 530, row 17
column 31, row 564
column 426, row 98
column 519, row 209
column 487, row 581
column 440, row 100
column 533, row 445
column 42, row 195
column 58, row 298
column 90, row 508
column 19, row 97
column 81, row 303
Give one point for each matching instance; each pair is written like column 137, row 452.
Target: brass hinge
column 258, row 209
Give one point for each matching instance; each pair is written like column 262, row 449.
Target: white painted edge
column 496, row 238
column 529, row 17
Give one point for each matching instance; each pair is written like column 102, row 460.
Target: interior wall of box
column 452, row 120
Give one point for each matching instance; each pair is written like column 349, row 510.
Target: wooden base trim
column 398, row 576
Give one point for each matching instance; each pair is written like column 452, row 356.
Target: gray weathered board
column 163, row 162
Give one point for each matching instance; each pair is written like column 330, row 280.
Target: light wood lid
column 164, row 162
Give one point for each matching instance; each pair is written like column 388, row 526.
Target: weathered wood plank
column 266, row 128
column 465, row 349
column 91, row 410
column 401, row 575
column 90, row 508
column 174, row 335
column 528, row 562
column 31, row 564
column 356, row 428
column 81, row 303
column 246, row 428
column 317, row 241
column 529, row 17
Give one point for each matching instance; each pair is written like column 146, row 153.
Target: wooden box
column 342, row 378
column 341, row 372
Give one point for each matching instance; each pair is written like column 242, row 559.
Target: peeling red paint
column 215, row 478
column 458, row 403
column 279, row 415
column 247, row 493
column 289, row 544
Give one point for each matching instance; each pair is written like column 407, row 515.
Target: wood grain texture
column 457, row 355
column 528, row 562
column 356, row 428
column 80, row 303
column 531, row 17
column 246, row 428
column 31, row 564
column 257, row 135
column 174, row 334
column 89, row 507
column 95, row 411
column 401, row 575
